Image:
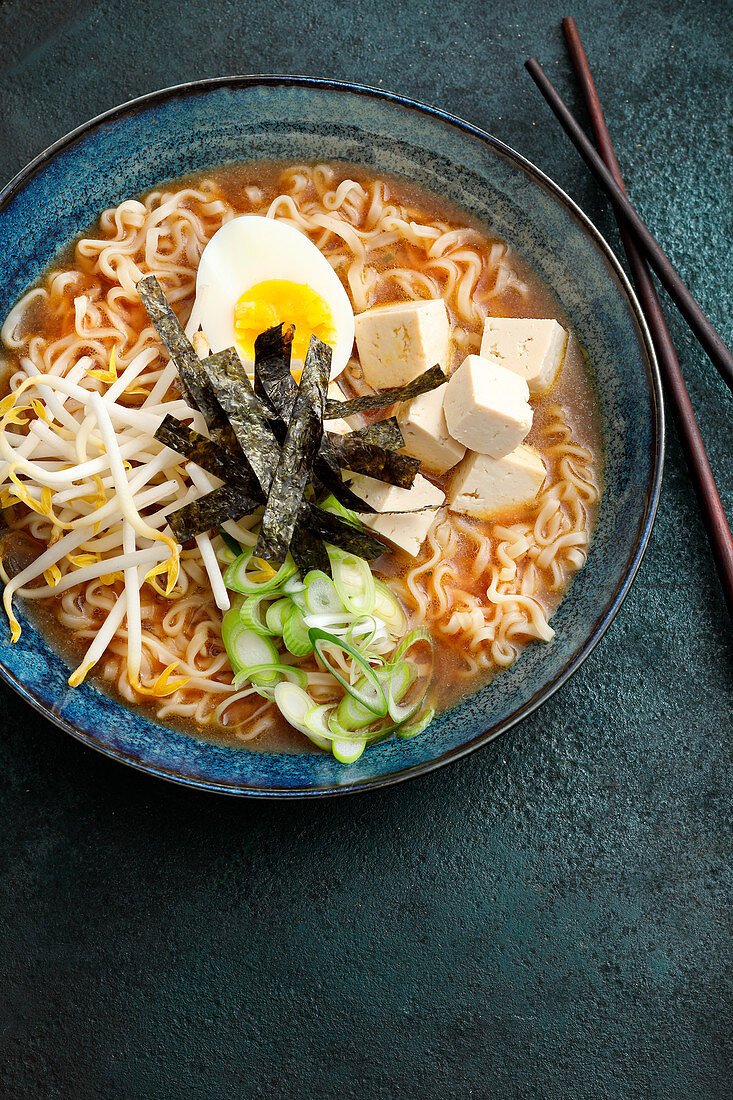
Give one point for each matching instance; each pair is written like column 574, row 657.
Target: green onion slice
column 354, row 582
column 418, row 726
column 369, row 690
column 231, row 544
column 347, row 752
column 294, row 704
column 245, row 647
column 388, row 609
column 352, row 715
column 251, row 614
column 331, row 504
column 296, row 635
column 276, row 614
column 267, row 676
column 321, row 596
column 251, row 575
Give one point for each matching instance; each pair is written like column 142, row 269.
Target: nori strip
column 274, row 384
column 307, row 548
column 367, row 458
column 385, row 433
column 227, row 502
column 206, row 454
column 276, row 387
column 246, row 415
column 327, row 470
column 428, row 380
column 297, row 456
column 339, row 532
column 180, row 349
column 344, row 495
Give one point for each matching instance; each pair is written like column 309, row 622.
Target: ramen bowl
column 197, row 126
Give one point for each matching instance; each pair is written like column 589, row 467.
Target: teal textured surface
column 549, row 918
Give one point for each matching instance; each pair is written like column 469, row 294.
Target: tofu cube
column 482, row 486
column 340, row 426
column 426, row 435
column 417, row 507
column 397, row 342
column 487, row 407
column 534, row 349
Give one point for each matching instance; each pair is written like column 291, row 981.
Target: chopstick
column 719, row 354
column 716, row 524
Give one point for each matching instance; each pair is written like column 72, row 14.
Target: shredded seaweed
column 385, row 433
column 208, row 455
column 347, row 536
column 226, row 502
column 274, row 384
column 428, row 380
column 245, row 414
column 267, row 443
column 377, row 462
column 344, row 495
column 276, row 388
column 297, row 456
column 307, row 548
column 180, row 349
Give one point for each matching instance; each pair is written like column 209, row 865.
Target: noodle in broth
column 484, row 589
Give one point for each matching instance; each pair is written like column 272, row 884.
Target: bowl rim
column 651, row 500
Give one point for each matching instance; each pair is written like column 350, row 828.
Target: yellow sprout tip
column 78, row 675
column 163, row 685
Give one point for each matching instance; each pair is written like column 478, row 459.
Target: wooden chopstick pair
column 642, row 250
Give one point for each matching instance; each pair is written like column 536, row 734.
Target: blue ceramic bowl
column 194, row 126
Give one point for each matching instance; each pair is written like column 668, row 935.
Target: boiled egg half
column 257, row 272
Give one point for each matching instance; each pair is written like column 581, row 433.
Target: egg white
column 250, row 250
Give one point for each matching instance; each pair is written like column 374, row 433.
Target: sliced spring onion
column 352, row 715
column 347, row 752
column 224, row 555
column 276, row 615
column 415, row 636
column 373, row 696
column 297, row 707
column 418, row 726
column 251, row 614
column 296, row 634
column 231, row 624
column 245, row 647
column 354, row 616
column 354, row 583
column 330, row 504
column 321, row 595
column 362, row 631
column 375, row 732
column 294, row 704
column 398, row 684
column 231, row 544
column 388, row 608
column 316, row 721
column 251, row 575
column 400, row 677
column 337, row 624
column 297, row 598
column 267, row 676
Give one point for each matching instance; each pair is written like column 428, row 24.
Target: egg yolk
column 278, row 300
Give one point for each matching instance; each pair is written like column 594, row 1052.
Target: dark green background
column 548, row 918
